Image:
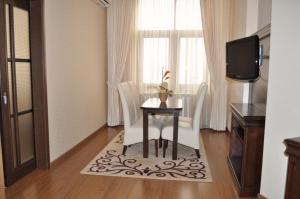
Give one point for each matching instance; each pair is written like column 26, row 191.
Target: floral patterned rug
column 111, row 162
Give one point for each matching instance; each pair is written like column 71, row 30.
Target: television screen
column 242, row 58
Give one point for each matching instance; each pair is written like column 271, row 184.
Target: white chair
column 188, row 129
column 133, row 124
column 136, row 98
column 189, row 119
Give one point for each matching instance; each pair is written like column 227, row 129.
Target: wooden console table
column 292, row 190
column 246, row 147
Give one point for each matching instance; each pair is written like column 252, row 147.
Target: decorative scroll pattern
column 111, row 162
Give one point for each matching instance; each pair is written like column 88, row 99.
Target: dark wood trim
column 292, row 183
column 78, row 146
column 145, row 134
column 246, row 148
column 19, row 3
column 156, row 148
column 5, row 112
column 39, row 84
column 21, row 113
column 124, row 150
column 18, row 60
column 197, row 153
column 21, row 171
column 165, row 146
column 175, row 135
column 259, row 196
column 14, row 86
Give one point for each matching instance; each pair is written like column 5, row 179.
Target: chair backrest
column 199, row 103
column 136, row 97
column 129, row 113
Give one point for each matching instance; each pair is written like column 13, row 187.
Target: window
column 156, row 53
column 171, row 37
column 191, row 59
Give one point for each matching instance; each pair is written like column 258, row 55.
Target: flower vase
column 163, row 96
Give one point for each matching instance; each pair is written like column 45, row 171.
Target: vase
column 163, row 97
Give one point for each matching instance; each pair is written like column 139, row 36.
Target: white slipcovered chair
column 188, row 128
column 136, row 98
column 133, row 123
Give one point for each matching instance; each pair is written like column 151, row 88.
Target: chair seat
column 167, row 120
column 186, row 119
column 134, row 134
column 186, row 135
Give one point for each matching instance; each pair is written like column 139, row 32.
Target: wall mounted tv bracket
column 261, row 55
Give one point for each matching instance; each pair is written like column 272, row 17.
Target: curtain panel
column 120, row 26
column 216, row 17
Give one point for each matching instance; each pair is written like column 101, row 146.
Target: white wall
column 75, row 32
column 258, row 16
column 264, row 13
column 283, row 108
column 251, row 27
column 252, row 17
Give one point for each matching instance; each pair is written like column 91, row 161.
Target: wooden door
column 16, row 91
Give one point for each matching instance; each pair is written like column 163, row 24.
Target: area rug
column 187, row 167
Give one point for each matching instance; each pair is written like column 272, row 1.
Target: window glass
column 156, row 57
column 191, row 60
column 23, row 76
column 156, row 14
column 188, row 15
column 21, row 31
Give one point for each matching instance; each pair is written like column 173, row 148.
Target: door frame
column 39, row 85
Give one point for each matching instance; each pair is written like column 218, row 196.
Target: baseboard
column 76, row 147
column 259, row 196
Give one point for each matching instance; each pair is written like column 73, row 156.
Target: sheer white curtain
column 120, row 28
column 216, row 15
column 169, row 36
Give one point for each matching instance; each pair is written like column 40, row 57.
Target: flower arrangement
column 164, row 91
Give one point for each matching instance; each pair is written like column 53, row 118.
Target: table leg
column 175, row 136
column 145, row 135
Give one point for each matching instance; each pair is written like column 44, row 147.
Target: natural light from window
column 171, row 37
column 156, row 56
column 192, row 57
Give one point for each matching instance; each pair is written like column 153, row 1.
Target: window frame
column 174, row 37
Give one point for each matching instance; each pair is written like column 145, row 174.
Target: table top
column 292, row 146
column 250, row 111
column 293, row 141
column 172, row 103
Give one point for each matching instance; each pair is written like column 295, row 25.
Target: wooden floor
column 63, row 180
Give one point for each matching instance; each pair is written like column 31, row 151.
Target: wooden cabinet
column 292, row 190
column 246, row 147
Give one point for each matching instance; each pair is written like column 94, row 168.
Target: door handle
column 4, row 98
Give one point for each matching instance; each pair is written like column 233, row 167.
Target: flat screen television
column 242, row 58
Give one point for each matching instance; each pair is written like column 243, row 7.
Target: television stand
column 246, row 147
